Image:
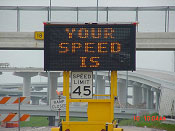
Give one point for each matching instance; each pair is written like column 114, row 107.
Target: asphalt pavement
column 125, row 128
column 133, row 128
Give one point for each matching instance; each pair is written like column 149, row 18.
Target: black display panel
column 88, row 47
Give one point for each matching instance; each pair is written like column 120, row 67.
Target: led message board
column 88, row 47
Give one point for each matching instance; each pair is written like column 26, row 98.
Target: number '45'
column 86, row 91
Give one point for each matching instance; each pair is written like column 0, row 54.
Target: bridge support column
column 137, row 93
column 147, row 95
column 151, row 99
column 144, row 97
column 0, row 73
column 174, row 61
column 100, row 85
column 157, row 100
column 26, row 81
column 147, row 99
column 122, row 94
column 35, row 100
column 140, row 97
column 135, row 96
column 52, row 84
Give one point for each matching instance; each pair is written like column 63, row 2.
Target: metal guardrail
column 4, row 65
column 64, row 8
column 76, row 111
column 22, row 69
column 169, row 121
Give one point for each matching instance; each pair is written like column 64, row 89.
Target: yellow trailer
column 100, row 112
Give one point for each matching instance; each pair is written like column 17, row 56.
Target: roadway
column 126, row 128
column 133, row 128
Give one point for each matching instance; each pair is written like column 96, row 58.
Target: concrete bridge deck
column 144, row 41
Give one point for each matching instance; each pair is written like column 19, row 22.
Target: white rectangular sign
column 82, row 85
column 58, row 104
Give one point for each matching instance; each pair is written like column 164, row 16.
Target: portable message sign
column 89, row 47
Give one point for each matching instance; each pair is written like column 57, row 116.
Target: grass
column 35, row 121
column 149, row 124
column 127, row 123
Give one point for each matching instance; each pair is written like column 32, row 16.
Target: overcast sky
column 160, row 60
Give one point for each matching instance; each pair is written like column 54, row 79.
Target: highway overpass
column 150, row 88
column 144, row 41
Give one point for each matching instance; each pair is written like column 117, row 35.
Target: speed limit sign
column 82, row 85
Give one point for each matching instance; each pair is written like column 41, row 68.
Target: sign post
column 19, row 113
column 58, row 105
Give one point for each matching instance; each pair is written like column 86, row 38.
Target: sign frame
column 83, row 85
